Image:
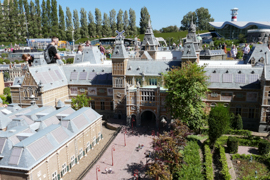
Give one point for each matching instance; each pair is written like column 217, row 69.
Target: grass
column 246, row 170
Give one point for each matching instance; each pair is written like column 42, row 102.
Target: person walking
column 234, row 52
column 246, row 50
column 51, row 48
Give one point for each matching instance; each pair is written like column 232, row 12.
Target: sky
column 164, row 13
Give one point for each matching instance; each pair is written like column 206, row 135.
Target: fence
column 100, row 154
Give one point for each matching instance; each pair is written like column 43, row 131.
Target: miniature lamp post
column 97, row 170
column 136, row 173
column 113, row 149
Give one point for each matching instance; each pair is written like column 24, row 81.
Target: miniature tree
column 186, row 88
column 80, row 101
column 218, row 121
column 238, row 122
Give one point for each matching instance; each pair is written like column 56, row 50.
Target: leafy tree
column 38, row 18
column 62, row 26
column 126, row 23
column 106, row 29
column 218, row 121
column 112, row 21
column 98, row 22
column 49, row 20
column 144, row 20
column 6, row 75
column 237, row 122
column 7, row 91
column 186, row 88
column 13, row 20
column 2, row 26
column 120, row 24
column 84, row 28
column 169, row 29
column 21, row 27
column 203, row 18
column 33, row 29
column 132, row 22
column 76, row 23
column 69, row 24
column 187, row 19
column 92, row 25
column 44, row 20
column 80, row 101
column 6, row 19
column 54, row 19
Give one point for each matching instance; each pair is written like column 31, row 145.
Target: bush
column 7, row 61
column 7, row 91
column 64, row 61
column 239, row 55
column 245, row 133
column 223, row 160
column 264, row 147
column 70, row 60
column 208, row 163
column 4, row 55
column 61, row 49
column 232, row 144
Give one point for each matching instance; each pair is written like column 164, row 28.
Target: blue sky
column 170, row 12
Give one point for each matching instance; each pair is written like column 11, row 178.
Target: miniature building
column 44, row 143
column 208, row 54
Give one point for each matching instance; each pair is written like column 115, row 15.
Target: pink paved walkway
column 126, row 159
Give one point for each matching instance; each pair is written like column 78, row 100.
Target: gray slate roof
column 258, row 53
column 209, row 52
column 18, row 81
column 89, row 54
column 149, row 67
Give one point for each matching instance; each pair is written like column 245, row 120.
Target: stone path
column 86, row 160
column 247, row 150
column 230, row 166
column 126, row 158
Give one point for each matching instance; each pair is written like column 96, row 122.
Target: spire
column 149, row 23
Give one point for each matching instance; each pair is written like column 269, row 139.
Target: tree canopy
column 201, row 17
column 144, row 20
column 80, row 101
column 186, row 88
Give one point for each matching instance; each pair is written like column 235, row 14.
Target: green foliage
column 132, row 22
column 106, row 29
column 120, row 24
column 232, row 144
column 264, row 147
column 61, row 49
column 64, row 61
column 237, row 122
column 196, row 137
column 7, row 91
column 144, row 20
column 245, row 133
column 84, row 25
column 186, row 87
column 192, row 166
column 208, row 163
column 17, row 61
column 54, row 19
column 241, row 38
column 126, row 23
column 223, row 160
column 7, row 61
column 92, row 25
column 113, row 21
column 62, row 25
column 239, row 54
column 80, row 101
column 76, row 23
column 169, row 29
column 69, row 24
column 98, row 19
column 70, row 60
column 4, row 55
column 218, row 121
column 6, row 99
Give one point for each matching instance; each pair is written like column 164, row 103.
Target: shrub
column 232, row 144
column 264, row 147
column 17, row 61
column 238, row 122
column 61, row 49
column 239, row 55
column 208, row 163
column 4, row 55
column 223, row 160
column 7, row 61
column 245, row 133
column 7, row 91
column 70, row 60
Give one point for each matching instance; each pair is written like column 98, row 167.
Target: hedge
column 208, row 163
column 223, row 160
column 245, row 133
column 232, row 144
column 192, row 168
column 264, row 147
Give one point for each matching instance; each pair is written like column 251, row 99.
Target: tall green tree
column 54, row 19
column 3, row 29
column 13, row 20
column 186, row 88
column 106, row 29
column 44, row 20
column 120, row 24
column 219, row 122
column 144, row 20
column 92, row 25
column 113, row 21
column 76, row 23
column 187, row 19
column 84, row 25
column 203, row 18
column 49, row 20
column 98, row 22
column 69, row 24
column 38, row 18
column 80, row 101
column 33, row 29
column 27, row 15
column 132, row 22
column 21, row 27
column 126, row 23
column 62, row 25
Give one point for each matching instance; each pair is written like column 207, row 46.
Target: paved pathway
column 126, row 159
column 247, row 150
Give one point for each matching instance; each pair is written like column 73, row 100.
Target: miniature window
column 118, row 82
column 94, row 141
column 54, row 176
column 102, row 105
column 238, row 111
column 72, row 160
column 111, row 104
column 25, row 93
column 148, row 96
column 88, row 146
column 152, row 81
column 251, row 112
column 73, row 90
column 64, row 169
column 268, row 93
column 80, row 153
column 92, row 103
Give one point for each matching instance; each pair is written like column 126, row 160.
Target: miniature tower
column 150, row 43
column 234, row 14
column 119, row 64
